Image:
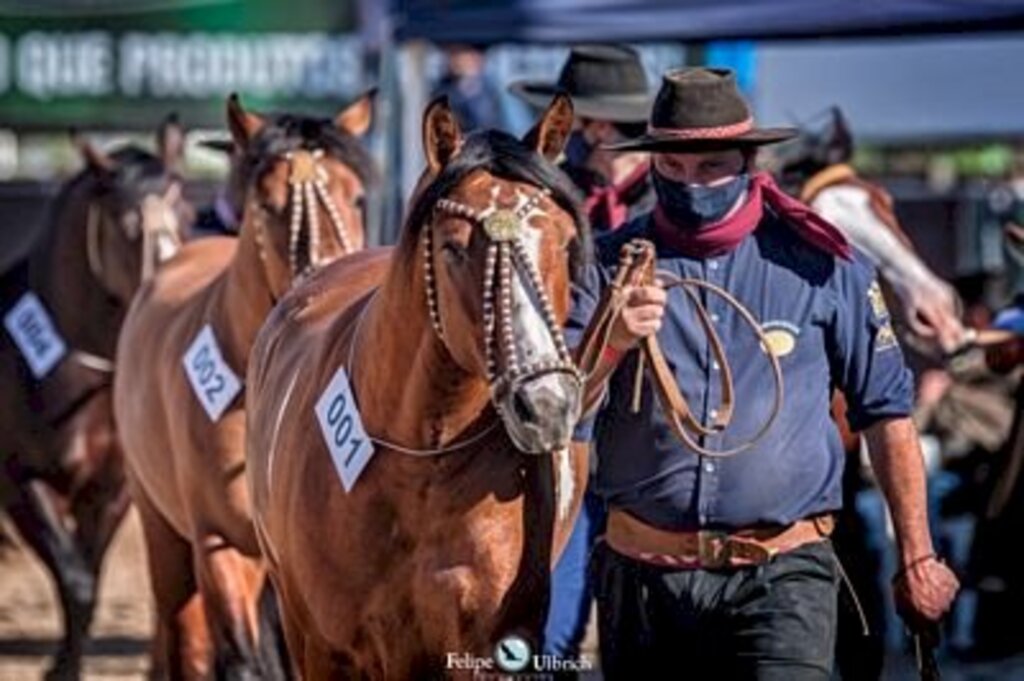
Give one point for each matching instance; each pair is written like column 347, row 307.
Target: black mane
column 288, row 132
column 502, row 155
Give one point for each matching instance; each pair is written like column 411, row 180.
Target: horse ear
column 95, row 159
column 549, row 135
column 243, row 124
column 355, row 119
column 442, row 136
column 170, row 142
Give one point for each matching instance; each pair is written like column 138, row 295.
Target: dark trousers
column 771, row 622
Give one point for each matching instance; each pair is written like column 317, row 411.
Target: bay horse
column 448, row 349
column 61, row 478
column 181, row 355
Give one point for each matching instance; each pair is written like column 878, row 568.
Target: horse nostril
column 523, row 409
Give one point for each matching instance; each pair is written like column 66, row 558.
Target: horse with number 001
column 404, row 408
column 181, row 360
column 61, row 469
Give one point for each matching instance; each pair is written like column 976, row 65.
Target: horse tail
column 273, row 649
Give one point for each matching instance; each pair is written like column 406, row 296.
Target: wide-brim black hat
column 701, row 109
column 606, row 82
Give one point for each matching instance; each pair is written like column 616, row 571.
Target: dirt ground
column 30, row 623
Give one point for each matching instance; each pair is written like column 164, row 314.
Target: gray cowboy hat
column 606, row 82
column 701, row 109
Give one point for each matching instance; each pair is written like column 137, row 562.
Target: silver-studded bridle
column 307, row 180
column 506, row 255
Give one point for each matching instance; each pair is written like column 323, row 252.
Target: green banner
column 126, row 63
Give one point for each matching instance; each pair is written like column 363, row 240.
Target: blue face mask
column 695, row 205
column 578, row 150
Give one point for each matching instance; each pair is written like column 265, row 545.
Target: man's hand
column 925, row 591
column 640, row 317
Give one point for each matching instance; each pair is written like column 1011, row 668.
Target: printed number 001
column 342, row 425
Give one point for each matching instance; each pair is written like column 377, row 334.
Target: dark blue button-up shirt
column 829, row 328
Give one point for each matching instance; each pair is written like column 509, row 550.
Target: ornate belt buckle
column 712, row 548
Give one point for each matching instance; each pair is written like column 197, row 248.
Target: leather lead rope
column 636, row 268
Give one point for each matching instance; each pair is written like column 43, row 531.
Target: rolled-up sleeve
column 866, row 360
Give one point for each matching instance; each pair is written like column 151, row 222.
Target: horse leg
column 182, row 648
column 38, row 521
column 230, row 583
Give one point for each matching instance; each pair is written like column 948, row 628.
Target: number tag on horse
column 213, row 381
column 33, row 331
column 343, row 430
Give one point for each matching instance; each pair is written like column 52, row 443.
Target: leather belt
column 710, row 549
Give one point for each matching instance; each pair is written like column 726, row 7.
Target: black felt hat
column 701, row 109
column 606, row 82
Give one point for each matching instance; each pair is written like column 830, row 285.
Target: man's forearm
column 899, row 467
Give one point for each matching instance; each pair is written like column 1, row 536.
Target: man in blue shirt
column 721, row 566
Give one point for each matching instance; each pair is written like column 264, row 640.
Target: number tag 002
column 213, row 382
column 342, row 429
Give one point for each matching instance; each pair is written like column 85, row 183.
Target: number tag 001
column 342, row 429
column 213, row 382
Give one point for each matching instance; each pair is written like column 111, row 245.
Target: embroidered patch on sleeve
column 877, row 300
column 885, row 339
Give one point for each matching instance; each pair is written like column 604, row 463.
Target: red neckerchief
column 611, row 198
column 725, row 235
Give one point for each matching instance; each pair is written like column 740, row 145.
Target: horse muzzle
column 540, row 413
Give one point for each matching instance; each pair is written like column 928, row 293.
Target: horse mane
column 505, row 156
column 288, row 132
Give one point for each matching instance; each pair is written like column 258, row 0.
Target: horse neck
column 245, row 296
column 86, row 315
column 409, row 388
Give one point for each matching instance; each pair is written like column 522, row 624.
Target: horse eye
column 455, row 251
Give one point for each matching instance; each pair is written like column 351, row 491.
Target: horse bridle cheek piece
column 505, row 256
column 307, row 179
column 158, row 220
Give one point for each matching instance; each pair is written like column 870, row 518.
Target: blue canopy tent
column 567, row 21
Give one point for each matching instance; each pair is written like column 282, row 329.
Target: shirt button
column 713, row 265
column 709, row 467
column 703, row 519
column 713, row 414
column 714, row 365
column 714, row 317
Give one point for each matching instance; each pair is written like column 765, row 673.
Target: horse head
column 304, row 185
column 135, row 210
column 497, row 225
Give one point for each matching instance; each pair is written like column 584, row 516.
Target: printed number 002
column 341, row 422
column 206, row 371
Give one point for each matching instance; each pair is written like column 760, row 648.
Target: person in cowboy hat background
column 721, row 566
column 611, row 99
